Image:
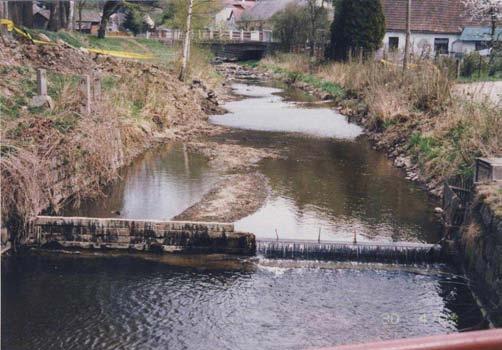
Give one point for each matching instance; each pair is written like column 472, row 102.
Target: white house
column 437, row 27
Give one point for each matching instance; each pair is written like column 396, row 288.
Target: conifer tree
column 358, row 24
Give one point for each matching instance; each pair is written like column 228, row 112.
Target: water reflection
column 265, row 110
column 331, row 180
column 159, row 185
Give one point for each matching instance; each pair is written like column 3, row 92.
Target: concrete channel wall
column 139, row 235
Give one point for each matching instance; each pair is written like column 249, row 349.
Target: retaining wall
column 481, row 242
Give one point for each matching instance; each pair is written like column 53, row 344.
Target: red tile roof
column 438, row 16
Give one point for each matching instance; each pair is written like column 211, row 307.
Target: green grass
column 155, row 48
column 250, row 63
column 331, row 88
column 424, row 145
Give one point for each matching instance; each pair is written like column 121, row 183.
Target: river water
column 330, row 180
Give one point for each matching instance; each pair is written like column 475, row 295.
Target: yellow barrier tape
column 387, row 63
column 8, row 23
column 124, row 54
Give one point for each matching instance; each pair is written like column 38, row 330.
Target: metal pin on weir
column 355, row 238
column 319, row 236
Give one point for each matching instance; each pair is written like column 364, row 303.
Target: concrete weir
column 207, row 237
column 140, row 235
column 406, row 253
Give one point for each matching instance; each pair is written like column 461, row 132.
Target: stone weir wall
column 139, row 235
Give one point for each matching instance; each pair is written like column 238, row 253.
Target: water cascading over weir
column 204, row 237
column 403, row 252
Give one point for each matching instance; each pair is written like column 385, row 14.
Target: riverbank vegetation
column 415, row 113
column 52, row 153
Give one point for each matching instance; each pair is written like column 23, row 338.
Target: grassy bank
column 52, row 154
column 414, row 114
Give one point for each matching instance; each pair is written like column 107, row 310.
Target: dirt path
column 480, row 91
column 231, row 199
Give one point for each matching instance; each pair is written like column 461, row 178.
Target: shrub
column 473, row 63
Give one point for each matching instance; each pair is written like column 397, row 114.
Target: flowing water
column 128, row 303
column 331, row 183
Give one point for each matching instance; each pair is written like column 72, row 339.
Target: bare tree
column 80, row 6
column 109, row 9
column 486, row 10
column 186, row 45
column 316, row 18
column 408, row 36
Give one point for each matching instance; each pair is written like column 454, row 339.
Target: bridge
column 234, row 45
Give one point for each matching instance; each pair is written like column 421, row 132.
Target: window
column 441, row 45
column 393, row 43
column 481, row 45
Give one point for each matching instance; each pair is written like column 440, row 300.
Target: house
column 476, row 38
column 40, row 17
column 437, row 27
column 231, row 13
column 259, row 16
column 89, row 22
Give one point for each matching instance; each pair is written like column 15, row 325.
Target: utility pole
column 408, row 35
column 186, row 44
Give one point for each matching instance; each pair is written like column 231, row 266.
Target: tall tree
column 20, row 12
column 317, row 19
column 358, row 24
column 109, row 9
column 408, row 35
column 289, row 26
column 80, row 7
column 203, row 12
column 186, row 45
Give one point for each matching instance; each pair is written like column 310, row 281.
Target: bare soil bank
column 231, row 199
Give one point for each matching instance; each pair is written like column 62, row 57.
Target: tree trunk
column 80, row 18
column 186, row 45
column 54, row 16
column 20, row 12
column 408, row 36
column 71, row 16
column 108, row 10
column 491, row 68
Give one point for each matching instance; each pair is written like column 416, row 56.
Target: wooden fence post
column 85, row 86
column 42, row 98
column 42, row 82
column 96, row 91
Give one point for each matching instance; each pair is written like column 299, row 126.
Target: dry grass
column 491, row 194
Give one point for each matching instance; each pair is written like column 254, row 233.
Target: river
column 331, row 181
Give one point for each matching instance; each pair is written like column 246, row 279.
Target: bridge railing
column 208, row 35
